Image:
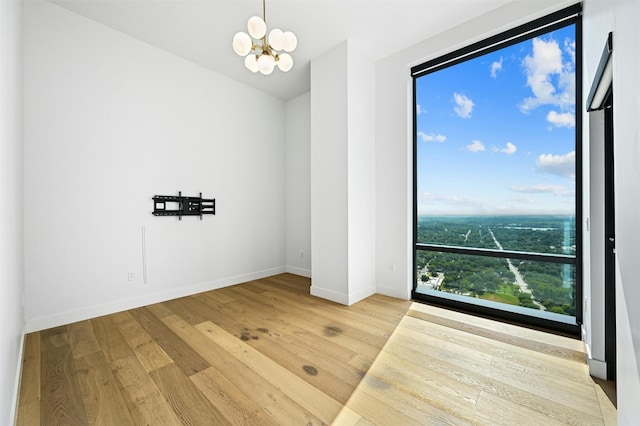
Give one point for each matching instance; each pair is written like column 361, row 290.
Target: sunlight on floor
column 441, row 366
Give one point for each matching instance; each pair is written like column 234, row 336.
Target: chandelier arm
column 264, row 11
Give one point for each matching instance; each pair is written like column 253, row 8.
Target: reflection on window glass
column 542, row 286
column 533, row 234
column 496, row 170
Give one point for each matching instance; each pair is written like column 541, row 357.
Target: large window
column 497, row 174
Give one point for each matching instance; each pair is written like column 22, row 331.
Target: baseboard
column 597, row 368
column 16, row 386
column 343, row 299
column 360, row 295
column 334, row 296
column 299, row 271
column 394, row 292
column 43, row 323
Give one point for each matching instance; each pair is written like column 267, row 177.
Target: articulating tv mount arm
column 187, row 206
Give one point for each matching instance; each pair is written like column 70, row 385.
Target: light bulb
column 290, row 41
column 285, row 62
column 276, row 39
column 266, row 63
column 251, row 63
column 256, row 26
column 242, row 43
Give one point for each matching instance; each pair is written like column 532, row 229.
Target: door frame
column 600, row 98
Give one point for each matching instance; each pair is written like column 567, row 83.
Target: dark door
column 610, row 241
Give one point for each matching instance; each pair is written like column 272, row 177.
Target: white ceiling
column 201, row 30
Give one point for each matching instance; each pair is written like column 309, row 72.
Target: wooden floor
column 266, row 352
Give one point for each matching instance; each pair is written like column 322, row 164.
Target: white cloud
column 560, row 165
column 545, row 66
column 419, row 109
column 509, row 149
column 570, row 48
column 431, row 137
column 464, row 105
column 495, row 67
column 476, row 146
column 428, row 197
column 561, row 119
column 524, row 200
column 557, row 190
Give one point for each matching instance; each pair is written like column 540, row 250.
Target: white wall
column 298, row 135
column 11, row 221
column 111, row 121
column 361, row 173
column 621, row 16
column 342, row 175
column 329, row 175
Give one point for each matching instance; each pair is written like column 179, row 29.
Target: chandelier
column 263, row 53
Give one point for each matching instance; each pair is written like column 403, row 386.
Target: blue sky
column 496, row 134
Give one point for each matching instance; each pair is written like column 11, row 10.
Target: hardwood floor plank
column 449, row 398
column 318, row 403
column 569, row 369
column 411, row 405
column 276, row 339
column 82, row 339
column 61, row 401
column 190, row 309
column 299, row 287
column 29, row 396
column 379, row 411
column 144, row 401
column 189, row 361
column 255, row 286
column 54, row 338
column 236, row 406
column 349, row 417
column 231, row 318
column 254, row 387
column 112, row 343
column 219, row 296
column 608, row 410
column 102, row 398
column 285, row 411
column 361, row 422
column 316, row 368
column 148, row 352
column 266, row 352
column 329, row 330
column 556, row 405
column 486, row 323
column 183, row 396
column 384, row 307
column 160, row 310
column 538, row 380
column 526, row 343
column 352, row 322
column 508, row 413
column 292, row 352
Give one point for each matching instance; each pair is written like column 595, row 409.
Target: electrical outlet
column 392, row 267
column 132, row 276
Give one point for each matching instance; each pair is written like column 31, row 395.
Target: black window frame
column 564, row 17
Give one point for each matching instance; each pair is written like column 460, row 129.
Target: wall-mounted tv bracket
column 186, row 206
